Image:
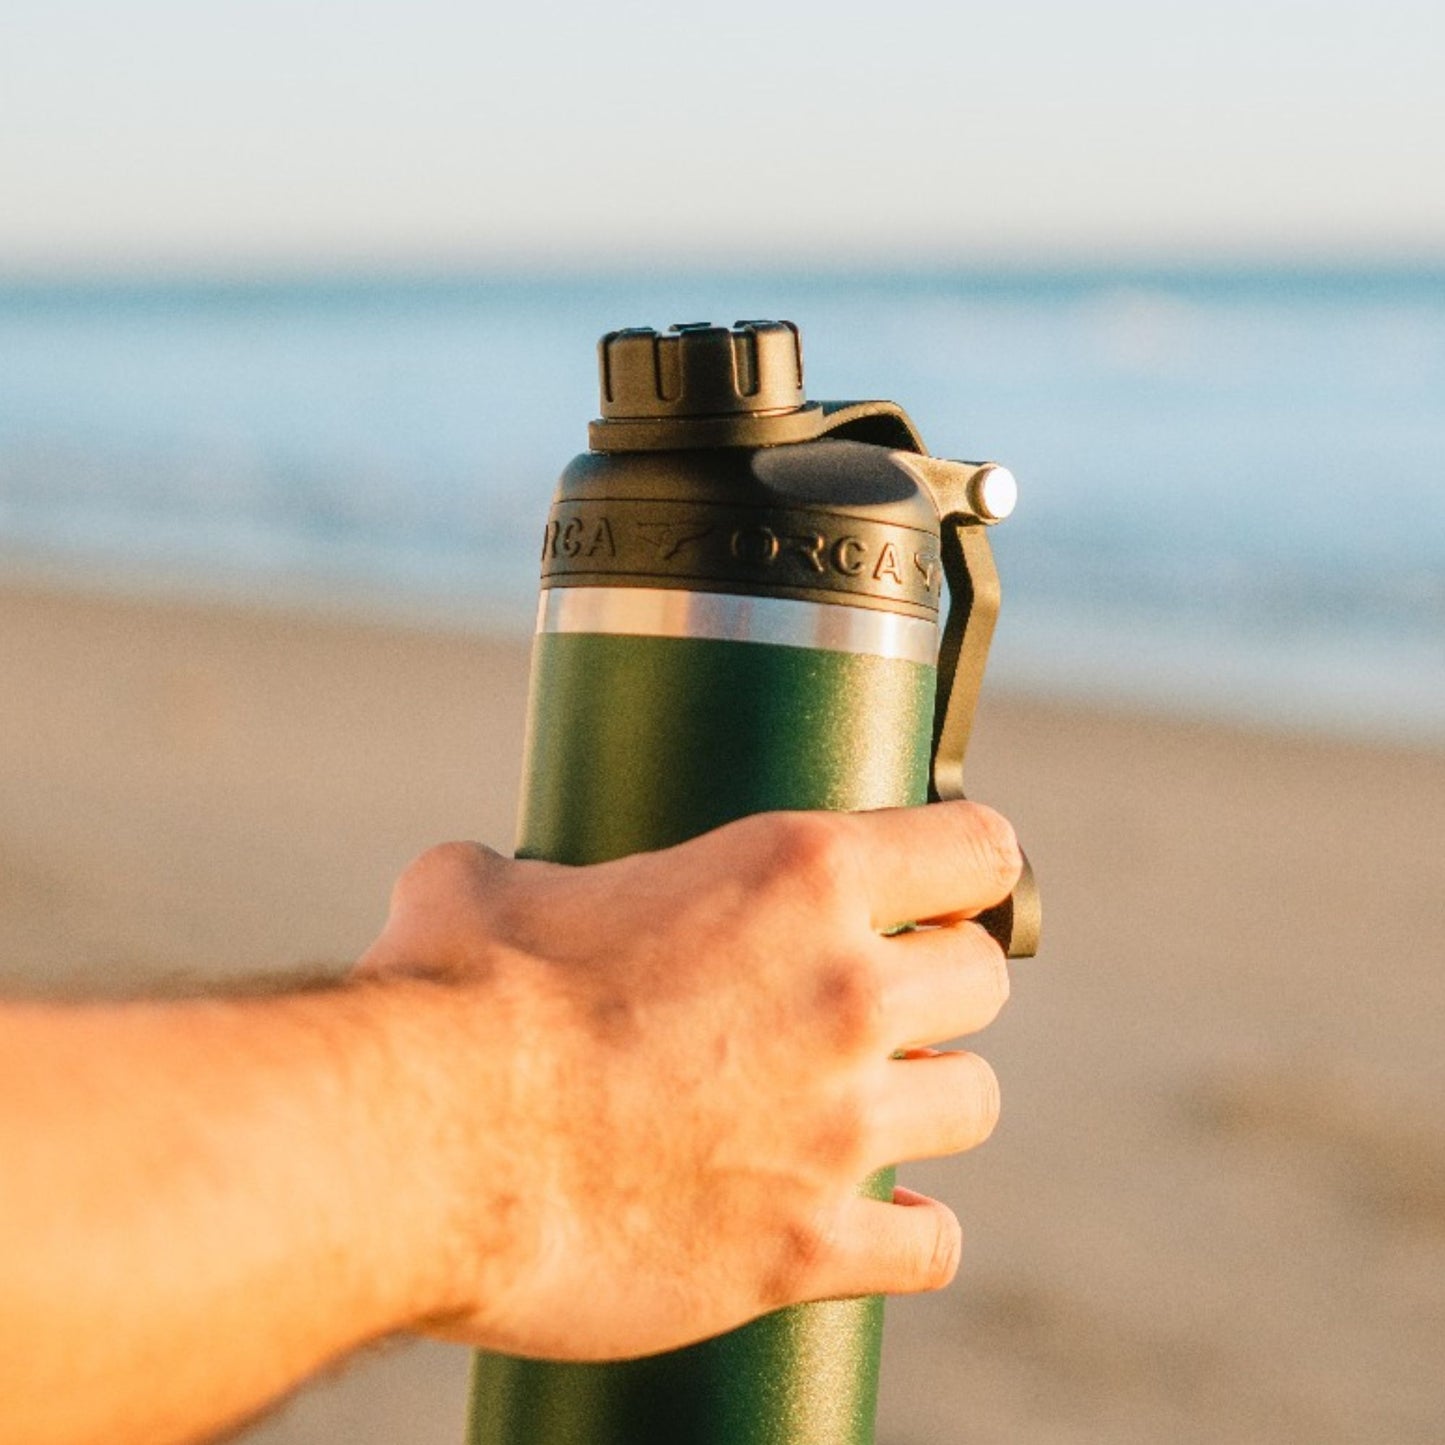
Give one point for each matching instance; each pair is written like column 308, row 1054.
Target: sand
column 1215, row 1209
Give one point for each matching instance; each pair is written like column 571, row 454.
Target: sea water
column 1232, row 481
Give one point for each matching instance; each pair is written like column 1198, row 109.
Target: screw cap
column 700, row 370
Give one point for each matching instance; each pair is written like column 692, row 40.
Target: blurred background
column 297, row 313
column 304, row 296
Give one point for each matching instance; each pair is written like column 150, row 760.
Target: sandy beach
column 1215, row 1209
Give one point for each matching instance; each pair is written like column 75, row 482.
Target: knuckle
column 807, row 853
column 443, row 866
column 804, row 1248
column 451, row 889
column 842, row 1142
column 851, row 1004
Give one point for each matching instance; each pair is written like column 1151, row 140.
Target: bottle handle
column 970, row 497
column 973, row 588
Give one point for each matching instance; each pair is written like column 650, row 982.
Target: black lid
column 697, row 369
column 700, row 385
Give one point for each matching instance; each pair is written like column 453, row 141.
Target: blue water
column 1233, row 482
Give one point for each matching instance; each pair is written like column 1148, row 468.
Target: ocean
column 1232, row 481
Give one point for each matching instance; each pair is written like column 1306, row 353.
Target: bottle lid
column 699, row 385
column 700, row 370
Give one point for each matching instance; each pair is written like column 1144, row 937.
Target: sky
column 562, row 134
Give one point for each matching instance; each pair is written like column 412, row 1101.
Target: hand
column 705, row 1050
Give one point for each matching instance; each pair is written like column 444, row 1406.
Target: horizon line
column 445, row 271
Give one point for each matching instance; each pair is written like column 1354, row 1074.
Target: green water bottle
column 740, row 612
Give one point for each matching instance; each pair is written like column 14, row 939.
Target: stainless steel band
column 724, row 617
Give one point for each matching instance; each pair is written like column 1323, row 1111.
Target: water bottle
column 740, row 612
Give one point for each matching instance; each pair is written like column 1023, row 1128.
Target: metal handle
column 973, row 587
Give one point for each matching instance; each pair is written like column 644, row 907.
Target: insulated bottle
column 740, row 612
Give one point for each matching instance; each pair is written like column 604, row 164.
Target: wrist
column 439, row 1176
column 400, row 1192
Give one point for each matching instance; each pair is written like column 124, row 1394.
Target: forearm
column 199, row 1203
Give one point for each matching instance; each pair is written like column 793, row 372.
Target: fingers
column 940, row 983
column 943, row 860
column 910, row 1245
column 933, row 1104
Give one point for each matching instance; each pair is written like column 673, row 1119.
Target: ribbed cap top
column 697, row 370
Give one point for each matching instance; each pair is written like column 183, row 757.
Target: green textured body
column 636, row 743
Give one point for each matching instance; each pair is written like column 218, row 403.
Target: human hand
column 652, row 1086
